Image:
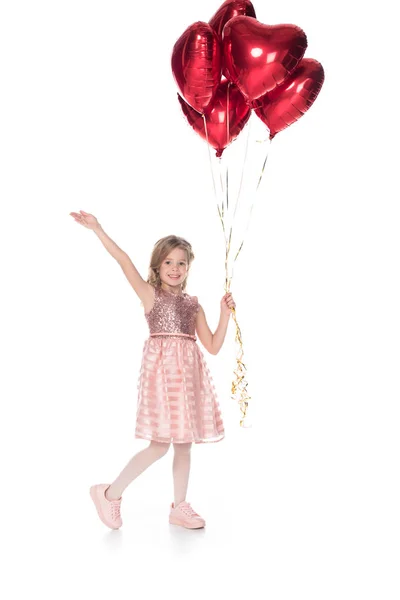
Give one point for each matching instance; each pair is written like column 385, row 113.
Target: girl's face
column 174, row 268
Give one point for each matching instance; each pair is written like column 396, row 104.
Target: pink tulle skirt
column 177, row 401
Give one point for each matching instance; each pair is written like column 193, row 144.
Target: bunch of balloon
column 235, row 73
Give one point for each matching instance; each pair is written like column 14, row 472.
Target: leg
column 181, row 470
column 139, row 463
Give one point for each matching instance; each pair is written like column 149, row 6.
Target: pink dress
column 177, row 401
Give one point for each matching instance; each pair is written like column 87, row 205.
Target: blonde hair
column 161, row 250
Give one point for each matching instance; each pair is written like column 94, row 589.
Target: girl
column 177, row 402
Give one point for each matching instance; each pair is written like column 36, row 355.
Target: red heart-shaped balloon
column 260, row 57
column 287, row 103
column 225, row 119
column 196, row 64
column 228, row 10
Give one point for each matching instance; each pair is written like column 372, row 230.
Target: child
column 177, row 402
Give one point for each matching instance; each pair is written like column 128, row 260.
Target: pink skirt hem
column 174, row 441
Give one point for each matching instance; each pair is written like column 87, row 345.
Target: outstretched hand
column 86, row 219
column 227, row 303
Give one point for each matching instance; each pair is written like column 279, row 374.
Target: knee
column 182, row 449
column 159, row 449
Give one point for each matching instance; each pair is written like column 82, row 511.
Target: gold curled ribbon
column 239, row 383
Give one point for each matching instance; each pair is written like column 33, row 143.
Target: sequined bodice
column 172, row 313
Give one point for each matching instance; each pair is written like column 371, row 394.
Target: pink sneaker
column 185, row 516
column 108, row 510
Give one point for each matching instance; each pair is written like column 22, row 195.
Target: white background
column 306, row 502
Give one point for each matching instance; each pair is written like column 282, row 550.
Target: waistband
column 161, row 333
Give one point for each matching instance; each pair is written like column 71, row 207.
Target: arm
column 143, row 289
column 109, row 244
column 212, row 342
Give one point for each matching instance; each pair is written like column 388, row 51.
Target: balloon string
column 228, row 241
column 243, row 168
column 224, row 186
column 239, row 385
column 239, row 191
column 263, row 167
column 253, row 201
column 219, row 208
column 227, row 141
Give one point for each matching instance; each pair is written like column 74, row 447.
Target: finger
column 84, row 213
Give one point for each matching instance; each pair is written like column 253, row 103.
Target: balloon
column 260, row 57
column 196, row 64
column 228, row 10
column 287, row 103
column 220, row 131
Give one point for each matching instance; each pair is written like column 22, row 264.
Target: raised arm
column 143, row 289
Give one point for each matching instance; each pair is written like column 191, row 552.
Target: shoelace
column 115, row 510
column 188, row 510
